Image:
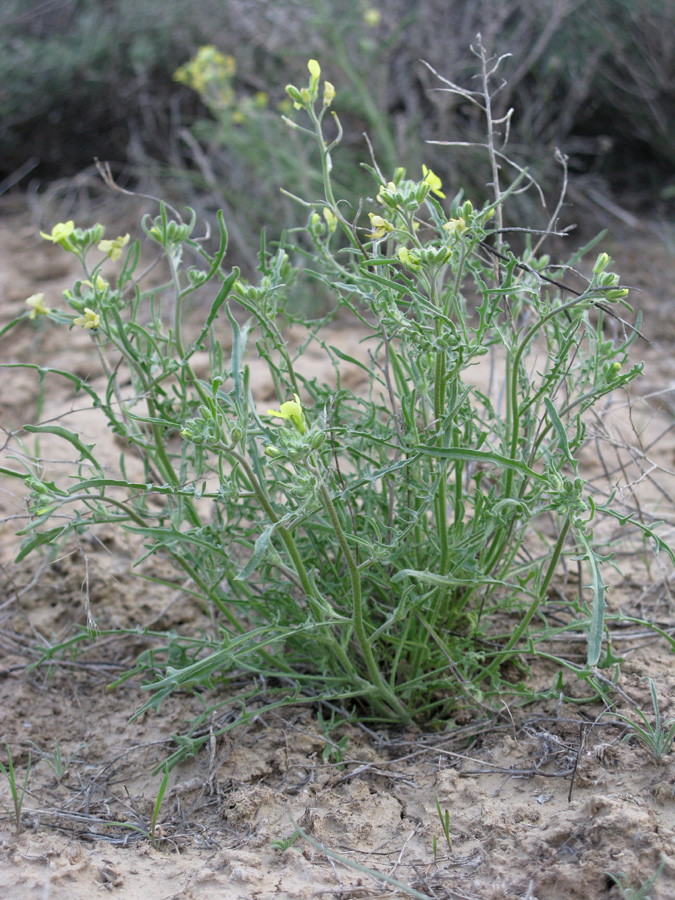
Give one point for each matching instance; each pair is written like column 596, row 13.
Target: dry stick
column 494, row 165
column 562, row 159
column 582, row 742
column 565, row 287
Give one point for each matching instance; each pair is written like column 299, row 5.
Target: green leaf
column 44, row 537
column 70, row 436
column 237, row 351
column 14, row 474
column 647, row 530
column 598, row 587
column 11, row 324
column 223, row 294
column 261, row 545
column 48, row 370
column 560, row 431
column 460, row 453
column 432, row 578
column 350, row 359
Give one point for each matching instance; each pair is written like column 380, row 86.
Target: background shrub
column 84, row 78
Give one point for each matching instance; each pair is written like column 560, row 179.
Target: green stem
column 534, row 606
column 373, row 670
column 514, row 410
column 315, row 603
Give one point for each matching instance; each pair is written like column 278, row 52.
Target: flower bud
column 613, row 296
column 294, row 93
column 423, row 189
column 328, row 93
column 601, row 263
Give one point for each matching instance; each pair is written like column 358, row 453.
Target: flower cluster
column 330, row 219
column 292, row 411
column 297, row 442
column 80, row 240
column 607, row 282
column 89, row 295
column 304, row 98
column 210, row 74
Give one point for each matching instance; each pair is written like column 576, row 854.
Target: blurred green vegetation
column 86, row 78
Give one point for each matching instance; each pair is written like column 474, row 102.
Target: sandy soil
column 543, row 801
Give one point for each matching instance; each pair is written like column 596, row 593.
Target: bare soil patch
column 515, row 827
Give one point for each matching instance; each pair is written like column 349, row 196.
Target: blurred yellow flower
column 455, row 227
column 90, row 319
column 331, row 219
column 113, row 249
column 60, row 234
column 314, row 68
column 292, row 411
column 100, row 285
column 37, row 306
column 372, row 17
column 380, row 226
column 433, row 181
column 207, row 66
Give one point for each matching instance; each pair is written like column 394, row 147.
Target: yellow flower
column 90, row 319
column 207, row 66
column 331, row 219
column 372, row 17
column 328, row 93
column 291, row 410
column 314, row 68
column 455, row 227
column 100, row 285
column 380, row 226
column 60, row 234
column 113, row 249
column 409, row 258
column 433, row 181
column 37, row 306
